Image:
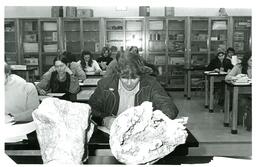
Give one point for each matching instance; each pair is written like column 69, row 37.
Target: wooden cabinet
column 11, row 41
column 49, row 43
column 241, row 41
column 30, row 43
column 177, row 51
column 170, row 43
column 156, row 50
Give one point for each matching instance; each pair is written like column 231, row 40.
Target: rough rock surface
column 140, row 135
column 61, row 127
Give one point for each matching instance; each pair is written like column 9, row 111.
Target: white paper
column 18, row 132
column 84, row 94
column 104, row 129
column 55, row 94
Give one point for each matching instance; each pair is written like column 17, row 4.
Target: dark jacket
column 105, row 100
column 104, row 59
column 216, row 63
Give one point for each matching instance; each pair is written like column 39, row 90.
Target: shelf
column 91, row 30
column 156, row 52
column 45, row 31
column 9, row 31
column 72, row 41
column 218, row 40
column 50, row 53
column 114, row 40
column 177, row 53
column 176, row 29
column 71, row 30
column 133, row 30
column 115, row 30
column 199, row 52
column 10, row 52
column 199, row 29
column 198, row 41
column 10, row 42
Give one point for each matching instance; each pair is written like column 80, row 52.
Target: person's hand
column 9, row 119
column 241, row 75
column 68, row 70
column 103, row 65
column 42, row 92
column 217, row 70
column 52, row 69
column 108, row 121
column 221, row 69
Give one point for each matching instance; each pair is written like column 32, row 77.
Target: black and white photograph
column 139, row 83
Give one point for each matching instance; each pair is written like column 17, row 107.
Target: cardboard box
column 169, row 11
column 84, row 13
column 144, row 11
column 71, row 11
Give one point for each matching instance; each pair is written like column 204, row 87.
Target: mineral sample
column 140, row 135
column 62, row 130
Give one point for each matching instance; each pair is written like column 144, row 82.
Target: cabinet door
column 134, row 33
column 156, row 47
column 72, row 36
column 176, row 44
column 199, row 42
column 49, row 42
column 10, row 42
column 242, row 35
column 218, row 36
column 30, row 46
column 91, row 36
column 114, row 34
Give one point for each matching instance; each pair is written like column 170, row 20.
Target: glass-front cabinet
column 49, row 42
column 241, row 40
column 30, row 45
column 114, row 34
column 10, row 44
column 176, row 44
column 156, row 46
column 218, row 36
column 72, row 36
column 91, row 35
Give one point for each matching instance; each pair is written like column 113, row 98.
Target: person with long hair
column 72, row 65
column 62, row 80
column 244, row 105
column 88, row 64
column 105, row 58
column 129, row 86
column 220, row 63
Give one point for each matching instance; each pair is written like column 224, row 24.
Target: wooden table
column 211, row 77
column 236, row 89
column 27, row 73
column 84, row 95
column 187, row 79
column 27, row 152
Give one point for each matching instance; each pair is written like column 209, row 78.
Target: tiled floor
column 208, row 127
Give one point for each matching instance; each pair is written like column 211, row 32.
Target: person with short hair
column 21, row 97
column 129, row 86
column 62, row 80
column 220, row 63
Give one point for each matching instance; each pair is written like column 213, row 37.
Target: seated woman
column 21, row 97
column 88, row 64
column 129, row 86
column 244, row 105
column 105, row 58
column 220, row 63
column 74, row 66
column 60, row 81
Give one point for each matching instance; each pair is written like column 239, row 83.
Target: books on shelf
column 30, row 47
column 51, row 48
column 18, row 67
column 49, row 26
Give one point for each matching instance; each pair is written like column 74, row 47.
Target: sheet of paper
column 56, row 94
column 104, row 129
column 18, row 132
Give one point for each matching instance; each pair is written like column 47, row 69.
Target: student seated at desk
column 88, row 64
column 220, row 64
column 244, row 105
column 74, row 66
column 60, row 81
column 105, row 58
column 21, row 97
column 129, row 86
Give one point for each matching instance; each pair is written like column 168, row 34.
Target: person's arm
column 44, row 84
column 74, row 84
column 162, row 101
column 32, row 102
column 78, row 71
column 235, row 70
column 96, row 67
column 111, row 68
column 211, row 66
column 52, row 69
column 96, row 102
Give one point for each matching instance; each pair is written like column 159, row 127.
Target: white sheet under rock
column 61, row 127
column 140, row 135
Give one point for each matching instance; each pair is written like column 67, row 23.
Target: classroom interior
column 180, row 42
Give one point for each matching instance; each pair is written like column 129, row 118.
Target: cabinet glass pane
column 218, row 37
column 72, row 36
column 30, row 36
column 114, row 34
column 10, row 42
column 242, row 35
column 133, row 33
column 49, row 37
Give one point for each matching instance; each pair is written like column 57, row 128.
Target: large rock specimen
column 62, row 130
column 140, row 135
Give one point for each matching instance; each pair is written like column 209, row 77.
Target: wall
column 132, row 11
